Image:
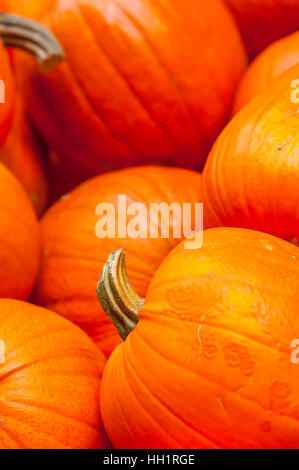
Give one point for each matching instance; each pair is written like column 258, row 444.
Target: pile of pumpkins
column 159, row 100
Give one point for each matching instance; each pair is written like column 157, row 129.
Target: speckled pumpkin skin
column 49, row 383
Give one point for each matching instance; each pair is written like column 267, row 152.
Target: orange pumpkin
column 26, row 35
column 251, row 178
column 273, row 61
column 72, row 255
column 50, row 376
column 24, row 155
column 211, row 362
column 7, row 90
column 261, row 22
column 20, row 239
column 25, row 7
column 143, row 82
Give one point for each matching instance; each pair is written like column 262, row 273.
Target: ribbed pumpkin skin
column 262, row 22
column 73, row 257
column 20, row 239
column 23, row 154
column 209, row 363
column 147, row 82
column 273, row 61
column 251, row 178
column 50, row 382
column 8, row 87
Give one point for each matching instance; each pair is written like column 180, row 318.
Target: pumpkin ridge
column 165, row 68
column 220, row 155
column 244, row 282
column 10, row 434
column 96, row 114
column 127, row 364
column 116, row 398
column 135, row 94
column 48, row 408
column 142, row 406
column 201, row 376
column 44, row 433
column 149, row 316
column 28, row 365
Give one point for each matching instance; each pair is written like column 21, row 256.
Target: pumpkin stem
column 118, row 298
column 29, row 36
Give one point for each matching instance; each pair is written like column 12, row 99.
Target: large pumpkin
column 212, row 361
column 273, row 61
column 144, row 82
column 251, row 178
column 73, row 256
column 20, row 239
column 261, row 22
column 50, row 374
column 24, row 154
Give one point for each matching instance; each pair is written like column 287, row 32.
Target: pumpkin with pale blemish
column 207, row 361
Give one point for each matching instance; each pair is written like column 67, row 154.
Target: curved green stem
column 118, row 298
column 31, row 37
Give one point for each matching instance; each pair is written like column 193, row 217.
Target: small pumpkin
column 147, row 83
column 273, row 61
column 24, row 155
column 251, row 178
column 20, row 239
column 207, row 362
column 262, row 22
column 72, row 254
column 50, row 375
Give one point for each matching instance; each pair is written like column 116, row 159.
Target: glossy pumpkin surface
column 73, row 256
column 251, row 178
column 20, row 239
column 262, row 22
column 49, row 381
column 209, row 363
column 273, row 61
column 143, row 82
column 24, row 155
